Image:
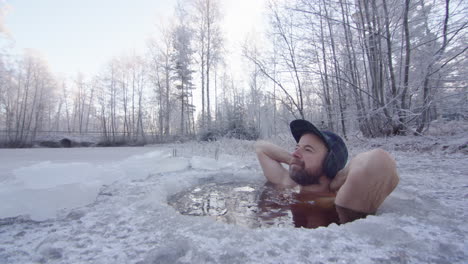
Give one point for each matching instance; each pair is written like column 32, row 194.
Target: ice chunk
column 244, row 189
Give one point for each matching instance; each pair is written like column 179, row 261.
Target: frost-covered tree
column 28, row 101
column 182, row 59
column 161, row 50
column 284, row 69
column 386, row 64
column 209, row 43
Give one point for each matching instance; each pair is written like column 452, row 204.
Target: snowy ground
column 109, row 205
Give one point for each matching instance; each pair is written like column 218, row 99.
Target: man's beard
column 298, row 174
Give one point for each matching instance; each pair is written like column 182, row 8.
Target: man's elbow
column 383, row 165
column 259, row 146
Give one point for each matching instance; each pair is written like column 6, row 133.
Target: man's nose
column 297, row 153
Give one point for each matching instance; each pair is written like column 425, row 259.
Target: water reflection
column 306, row 210
column 256, row 205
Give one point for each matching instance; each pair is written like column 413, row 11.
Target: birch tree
column 182, row 63
column 207, row 18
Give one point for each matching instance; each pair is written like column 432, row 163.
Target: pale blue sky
column 82, row 35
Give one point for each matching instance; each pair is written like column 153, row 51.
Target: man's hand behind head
column 339, row 179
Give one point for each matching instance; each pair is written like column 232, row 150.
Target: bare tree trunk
column 33, row 107
column 103, row 120
column 274, row 90
column 113, row 104
column 397, row 128
column 325, row 84
column 24, row 103
column 39, row 112
column 19, row 107
column 89, row 108
column 337, row 74
column 372, row 48
column 134, row 130
column 75, row 113
column 82, row 101
column 140, row 129
column 358, row 84
column 126, row 126
column 427, row 91
column 208, row 65
column 66, row 108
column 216, row 93
column 203, row 126
column 182, row 109
column 167, row 102
column 404, row 106
column 58, row 114
column 160, row 92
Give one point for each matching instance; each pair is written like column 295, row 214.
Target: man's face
column 306, row 165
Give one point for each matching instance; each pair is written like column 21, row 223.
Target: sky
column 82, row 36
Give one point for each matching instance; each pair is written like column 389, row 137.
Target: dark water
column 256, row 205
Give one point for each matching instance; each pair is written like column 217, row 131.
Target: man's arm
column 366, row 181
column 270, row 157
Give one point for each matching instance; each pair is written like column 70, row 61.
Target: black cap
column 337, row 151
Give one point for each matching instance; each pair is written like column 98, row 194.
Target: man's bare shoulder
column 367, row 180
column 374, row 162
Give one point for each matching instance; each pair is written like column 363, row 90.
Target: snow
column 109, row 205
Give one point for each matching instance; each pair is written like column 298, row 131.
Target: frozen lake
column 109, row 205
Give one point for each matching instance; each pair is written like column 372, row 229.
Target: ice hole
column 255, row 205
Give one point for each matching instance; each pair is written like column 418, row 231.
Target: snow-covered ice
column 109, row 205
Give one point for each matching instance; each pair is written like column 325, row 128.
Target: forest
column 369, row 67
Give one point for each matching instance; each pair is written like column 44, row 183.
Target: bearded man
column 318, row 166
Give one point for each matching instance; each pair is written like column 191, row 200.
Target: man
column 318, row 167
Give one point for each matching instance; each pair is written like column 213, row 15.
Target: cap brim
column 299, row 127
